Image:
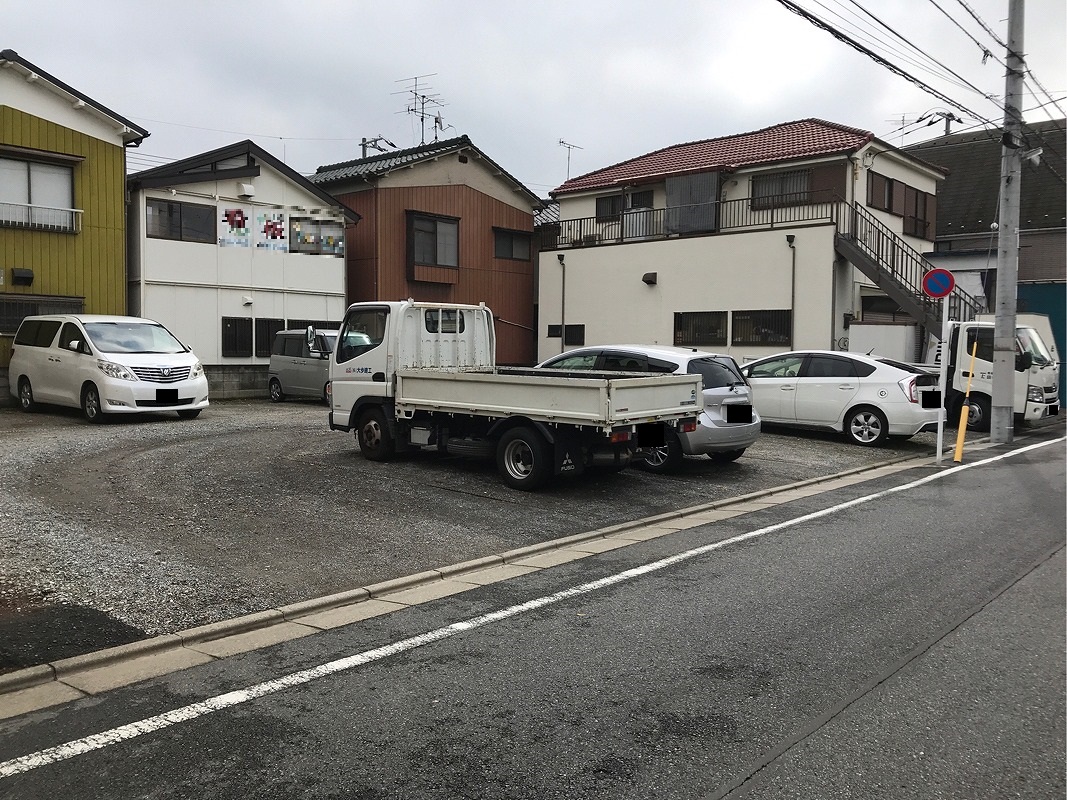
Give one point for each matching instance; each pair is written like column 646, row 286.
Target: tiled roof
column 387, row 162
column 384, row 163
column 968, row 200
column 806, row 138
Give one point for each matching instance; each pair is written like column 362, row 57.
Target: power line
column 964, row 81
column 814, row 20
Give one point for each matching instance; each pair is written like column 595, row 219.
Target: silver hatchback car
column 727, row 426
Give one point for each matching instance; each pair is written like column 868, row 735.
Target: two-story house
column 227, row 248
column 442, row 222
column 749, row 244
column 62, row 200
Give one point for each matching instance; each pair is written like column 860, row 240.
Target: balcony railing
column 40, row 218
column 646, row 224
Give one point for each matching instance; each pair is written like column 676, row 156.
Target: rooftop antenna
column 376, row 144
column 420, row 99
column 569, row 148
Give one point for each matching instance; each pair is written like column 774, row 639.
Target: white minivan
column 105, row 365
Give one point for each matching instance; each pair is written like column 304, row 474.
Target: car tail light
column 620, row 436
column 909, row 388
column 687, row 426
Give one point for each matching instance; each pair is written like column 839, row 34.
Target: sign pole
column 943, row 350
column 938, row 284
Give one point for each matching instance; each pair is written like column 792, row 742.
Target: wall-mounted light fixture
column 21, row 277
column 246, row 300
column 649, row 278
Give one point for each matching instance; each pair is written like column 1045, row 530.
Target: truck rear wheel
column 375, row 440
column 978, row 412
column 666, row 458
column 523, row 459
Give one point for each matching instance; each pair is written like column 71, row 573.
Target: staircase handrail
column 962, row 306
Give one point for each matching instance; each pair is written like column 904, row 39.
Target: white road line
column 176, row 716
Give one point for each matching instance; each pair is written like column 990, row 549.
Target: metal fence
column 646, row 224
column 20, row 215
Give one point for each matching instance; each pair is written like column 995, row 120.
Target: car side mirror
column 1023, row 362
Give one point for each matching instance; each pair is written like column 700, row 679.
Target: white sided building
column 227, row 248
column 749, row 244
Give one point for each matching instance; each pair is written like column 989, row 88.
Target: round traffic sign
column 938, row 282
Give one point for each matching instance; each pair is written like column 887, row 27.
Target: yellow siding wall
column 90, row 264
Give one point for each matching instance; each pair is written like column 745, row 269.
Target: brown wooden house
column 442, row 223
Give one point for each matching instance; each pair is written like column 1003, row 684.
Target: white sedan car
column 726, row 427
column 868, row 399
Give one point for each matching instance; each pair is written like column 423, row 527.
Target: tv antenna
column 420, row 100
column 376, row 143
column 569, row 148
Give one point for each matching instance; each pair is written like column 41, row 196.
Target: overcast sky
column 307, row 79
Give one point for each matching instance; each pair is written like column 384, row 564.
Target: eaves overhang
column 131, row 133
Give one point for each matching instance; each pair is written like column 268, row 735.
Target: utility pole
column 1002, row 418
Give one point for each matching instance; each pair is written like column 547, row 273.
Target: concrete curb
column 46, row 673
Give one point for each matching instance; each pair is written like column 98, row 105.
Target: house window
column 317, row 236
column 433, row 241
column 37, row 195
column 609, row 207
column 700, row 329
column 236, row 337
column 762, row 327
column 15, row 308
column 264, row 334
column 511, row 244
column 896, row 197
column 575, row 334
column 182, row 222
column 781, row 189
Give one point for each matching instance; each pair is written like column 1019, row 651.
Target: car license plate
column 737, row 413
column 166, row 395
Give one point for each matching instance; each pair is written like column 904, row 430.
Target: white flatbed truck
column 408, row 374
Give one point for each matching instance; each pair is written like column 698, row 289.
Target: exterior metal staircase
column 896, row 268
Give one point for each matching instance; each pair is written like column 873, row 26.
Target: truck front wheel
column 375, row 440
column 523, row 459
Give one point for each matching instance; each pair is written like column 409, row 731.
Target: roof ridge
column 443, row 144
column 723, row 143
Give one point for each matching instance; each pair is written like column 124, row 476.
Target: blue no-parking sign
column 938, row 282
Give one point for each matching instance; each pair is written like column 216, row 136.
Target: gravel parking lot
column 144, row 526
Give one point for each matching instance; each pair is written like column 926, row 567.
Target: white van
column 297, row 368
column 105, row 365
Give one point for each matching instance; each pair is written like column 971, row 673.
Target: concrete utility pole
column 1002, row 419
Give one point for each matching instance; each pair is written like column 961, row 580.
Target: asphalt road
column 138, row 527
column 908, row 645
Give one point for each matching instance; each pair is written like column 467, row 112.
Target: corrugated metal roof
column 548, row 214
column 807, row 138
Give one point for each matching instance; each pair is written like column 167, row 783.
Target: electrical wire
column 819, row 23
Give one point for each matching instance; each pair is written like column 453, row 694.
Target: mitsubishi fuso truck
column 407, row 375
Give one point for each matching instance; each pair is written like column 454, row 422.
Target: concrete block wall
column 238, row 381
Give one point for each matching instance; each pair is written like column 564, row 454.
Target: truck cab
column 1036, row 374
